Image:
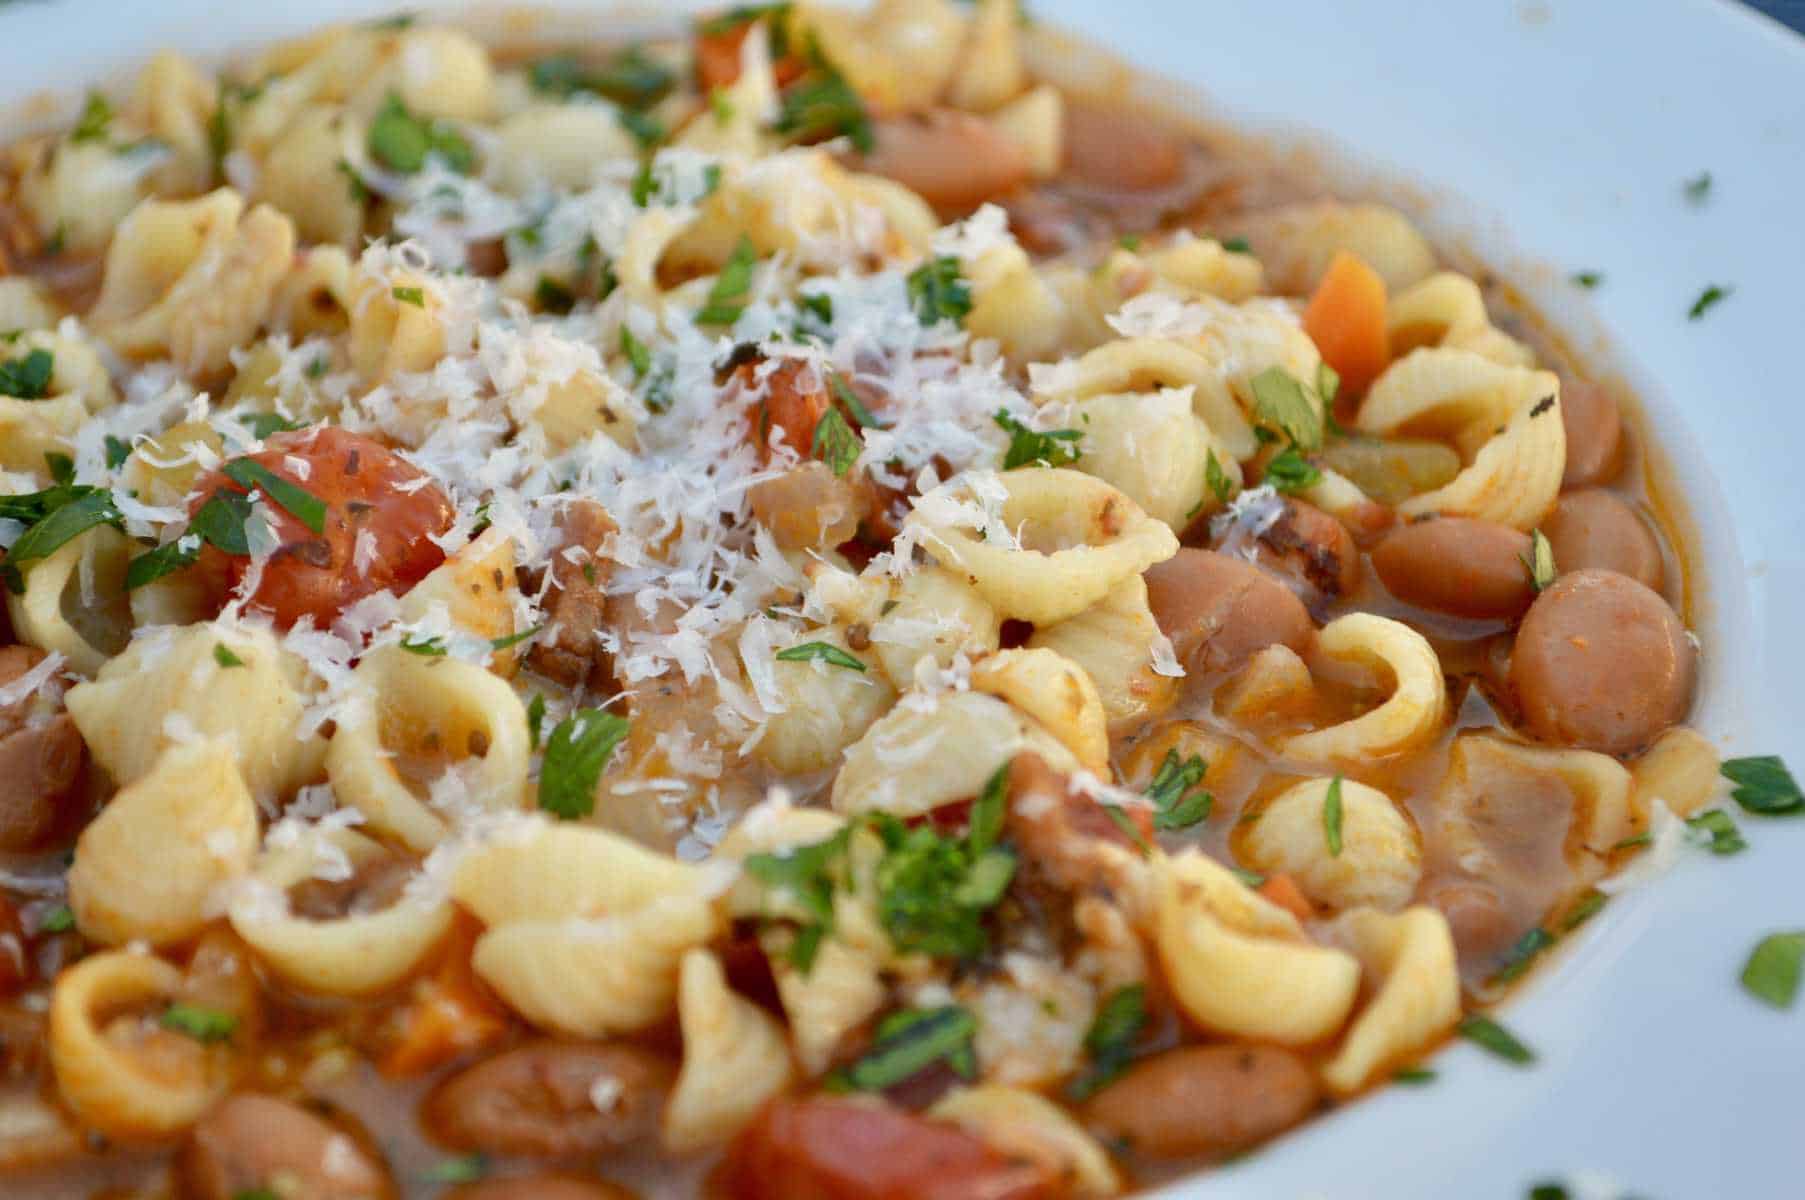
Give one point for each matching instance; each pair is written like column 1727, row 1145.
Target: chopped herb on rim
column 938, row 291
column 1031, row 447
column 1697, row 189
column 1539, row 562
column 1413, row 1076
column 1486, row 1033
column 1521, row 955
column 1763, row 785
column 910, row 1041
column 1635, row 841
column 1774, row 968
column 1583, row 910
column 1588, row 279
column 1707, row 298
column 222, row 654
column 575, row 754
column 826, row 652
column 201, row 1024
column 1178, row 801
column 1717, row 832
column 1331, row 817
column 1110, row 1040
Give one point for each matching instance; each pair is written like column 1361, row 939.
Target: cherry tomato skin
column 826, row 1148
column 366, row 487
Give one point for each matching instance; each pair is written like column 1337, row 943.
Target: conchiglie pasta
column 1379, row 858
column 1506, row 422
column 115, row 1068
column 547, row 871
column 173, row 103
column 192, row 279
column 928, row 751
column 316, row 296
column 1408, row 718
column 1028, row 1126
column 419, row 724
column 1013, row 303
column 825, row 708
column 257, row 707
column 735, row 1058
column 1409, row 960
column 192, row 817
column 1115, row 640
column 397, row 324
column 1070, row 539
column 356, row 953
column 1053, row 690
column 74, row 602
column 1239, row 965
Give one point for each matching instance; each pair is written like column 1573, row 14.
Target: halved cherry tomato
column 826, row 1148
column 366, row 488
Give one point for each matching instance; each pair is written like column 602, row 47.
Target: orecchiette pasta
column 1409, row 958
column 1026, row 1125
column 1447, row 310
column 1118, row 643
column 193, row 817
column 74, row 601
column 1152, row 447
column 1053, row 690
column 1376, row 860
column 547, row 871
column 934, row 617
column 1409, row 717
column 819, row 709
column 735, row 1058
column 78, row 387
column 1680, row 770
column 1149, row 364
column 476, row 590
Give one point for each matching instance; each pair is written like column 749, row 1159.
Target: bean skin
column 1596, row 528
column 1457, row 565
column 541, row 1187
column 535, row 1100
column 953, row 160
column 1205, row 1100
column 1594, row 435
column 251, row 1139
column 1219, row 610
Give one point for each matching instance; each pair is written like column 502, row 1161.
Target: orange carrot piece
column 1283, row 891
column 446, row 1014
column 1346, row 320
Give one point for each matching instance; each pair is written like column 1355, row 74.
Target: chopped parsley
column 553, row 297
column 721, row 105
column 1763, row 785
column 1289, row 472
column 938, row 291
column 1030, row 447
column 1111, row 1038
column 1220, row 485
column 514, row 639
column 164, row 560
column 222, row 654
column 910, row 1041
column 535, row 718
column 1583, row 910
column 300, row 503
column 933, row 891
column 727, row 298
column 60, row 919
column 988, row 810
column 1331, row 817
column 575, row 754
column 416, row 296
column 1717, row 832
column 849, row 399
column 826, row 652
column 425, row 647
column 95, row 121
column 835, row 443
column 1587, row 279
column 118, row 450
column 1539, row 562
column 1237, row 245
column 1697, row 190
column 28, row 376
column 1707, row 298
column 1520, row 956
column 646, row 129
column 1487, row 1034
column 201, row 1024
column 265, row 425
column 807, row 874
column 823, row 105
column 632, row 78
column 466, row 1169
column 53, row 517
column 1413, row 1076
column 402, row 142
column 1774, row 968
column 1283, row 404
column 635, row 353
column 1178, row 801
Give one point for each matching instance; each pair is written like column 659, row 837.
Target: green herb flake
column 835, row 443
column 514, row 639
column 817, row 305
column 553, row 297
column 938, row 291
column 1237, row 245
column 1548, row 1191
column 1634, row 842
column 1587, row 279
column 164, row 560
column 265, row 425
column 1030, row 447
column 823, row 105
column 1707, row 299
column 806, row 874
column 223, row 655
column 1220, row 485
column 849, row 400
column 118, row 450
column 1252, row 879
column 646, row 129
column 1763, row 785
column 1413, row 1076
column 61, row 467
column 1539, row 562
column 1130, row 242
column 1523, row 954
column 631, row 78
column 1717, row 832
column 1289, row 472
column 299, row 503
column 988, row 811
column 28, row 376
column 1111, row 1040
column 1486, row 1033
column 910, row 1041
column 1178, row 801
column 933, row 891
column 354, row 183
column 721, row 105
column 1774, row 968
column 1126, row 824
column 59, row 515
column 467, row 1169
column 95, row 120
column 826, row 652
column 425, row 647
column 727, row 298
column 635, row 353
column 402, row 142
column 535, row 719
column 412, row 295
column 1583, row 910
column 60, row 919
column 1283, row 404
column 575, row 754
column 1697, row 190
column 1331, row 817
column 201, row 1024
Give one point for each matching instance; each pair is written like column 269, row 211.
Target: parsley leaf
column 807, row 875
column 823, row 105
column 1237, row 245
column 535, row 718
column 28, row 376
column 118, row 450
column 401, row 141
column 1539, row 562
column 514, row 639
column 1282, row 403
column 425, row 647
column 63, row 513
column 222, row 654
column 410, row 295
column 300, row 503
column 1413, row 1076
column 1774, row 968
column 201, row 1024
column 165, row 559
column 1763, row 785
column 1178, row 802
column 727, row 298
column 988, row 810
column 1717, row 832
column 827, row 652
column 575, row 754
column 1029, row 447
column 938, row 291
column 1331, row 817
column 1583, row 910
column 95, row 119
column 1220, row 485
column 1486, row 1033
column 835, row 443
column 265, row 425
column 1290, row 472
column 60, row 919
column 1111, row 1038
column 635, row 352
column 467, row 1169
column 910, row 1041
column 849, row 399
column 933, row 891
column 1588, row 279
column 1710, row 296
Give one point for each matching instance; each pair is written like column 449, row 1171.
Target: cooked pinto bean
column 251, row 1141
column 541, row 1187
column 1594, row 435
column 1219, row 610
column 1595, row 528
column 1458, row 565
column 1602, row 662
column 953, row 160
column 826, row 1148
column 1106, row 148
column 576, row 604
column 1313, row 552
column 809, row 507
column 40, row 760
column 1210, row 1100
column 1477, row 918
column 535, row 1100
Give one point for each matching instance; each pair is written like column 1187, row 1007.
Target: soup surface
column 786, row 611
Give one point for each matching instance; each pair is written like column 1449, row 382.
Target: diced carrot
column 1346, row 320
column 718, row 58
column 1283, row 891
column 448, row 1012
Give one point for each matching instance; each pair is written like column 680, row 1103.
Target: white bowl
column 1549, row 136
